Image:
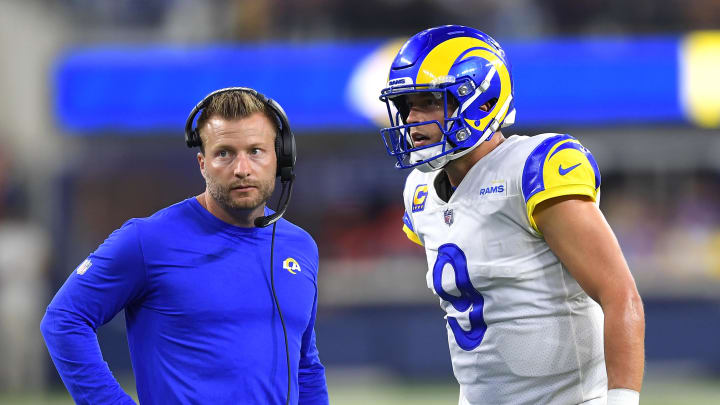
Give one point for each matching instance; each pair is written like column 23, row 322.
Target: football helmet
column 462, row 65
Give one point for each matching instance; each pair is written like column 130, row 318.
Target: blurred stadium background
column 94, row 94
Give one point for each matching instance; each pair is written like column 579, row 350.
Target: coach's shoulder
column 296, row 233
column 298, row 244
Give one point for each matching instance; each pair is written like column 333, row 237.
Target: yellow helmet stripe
column 504, row 76
column 443, row 56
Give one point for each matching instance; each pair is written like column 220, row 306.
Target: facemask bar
column 396, row 137
column 399, row 144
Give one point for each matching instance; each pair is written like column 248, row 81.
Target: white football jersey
column 520, row 328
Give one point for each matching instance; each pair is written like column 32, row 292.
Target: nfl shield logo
column 448, row 214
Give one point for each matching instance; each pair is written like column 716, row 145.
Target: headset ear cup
column 191, row 138
column 196, row 137
column 279, row 152
column 292, row 151
column 286, row 157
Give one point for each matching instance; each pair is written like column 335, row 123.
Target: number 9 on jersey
column 469, row 299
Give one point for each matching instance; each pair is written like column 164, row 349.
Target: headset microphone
column 262, row 222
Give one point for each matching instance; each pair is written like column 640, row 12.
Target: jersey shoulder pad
column 415, row 194
column 416, row 191
column 559, row 165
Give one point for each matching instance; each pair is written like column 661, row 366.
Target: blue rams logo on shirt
column 419, row 198
column 291, row 265
column 496, row 187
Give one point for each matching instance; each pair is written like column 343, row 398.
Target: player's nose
column 413, row 116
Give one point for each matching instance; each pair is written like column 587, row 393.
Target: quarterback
column 540, row 304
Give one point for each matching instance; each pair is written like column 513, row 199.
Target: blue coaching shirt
column 201, row 323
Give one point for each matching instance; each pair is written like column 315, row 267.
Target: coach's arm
column 578, row 234
column 93, row 294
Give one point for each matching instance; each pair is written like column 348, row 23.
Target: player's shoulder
column 557, row 158
column 511, row 154
column 417, row 186
column 546, row 144
column 417, row 177
column 522, row 146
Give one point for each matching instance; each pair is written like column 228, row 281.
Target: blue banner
column 333, row 86
column 596, row 81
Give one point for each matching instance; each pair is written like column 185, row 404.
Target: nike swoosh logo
column 568, row 170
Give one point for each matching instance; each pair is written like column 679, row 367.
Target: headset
column 286, row 156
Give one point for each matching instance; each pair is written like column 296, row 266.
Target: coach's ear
column 201, row 163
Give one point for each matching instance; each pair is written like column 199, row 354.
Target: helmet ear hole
column 489, row 104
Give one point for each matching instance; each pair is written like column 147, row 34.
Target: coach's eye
column 223, row 154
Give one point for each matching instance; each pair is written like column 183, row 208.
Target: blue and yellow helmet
column 450, row 61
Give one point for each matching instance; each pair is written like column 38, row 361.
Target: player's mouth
column 420, row 139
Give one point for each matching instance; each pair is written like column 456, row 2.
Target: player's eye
column 426, row 102
column 434, row 101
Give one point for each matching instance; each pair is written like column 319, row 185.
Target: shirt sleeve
column 414, row 200
column 559, row 166
column 311, row 373
column 102, row 285
column 409, row 229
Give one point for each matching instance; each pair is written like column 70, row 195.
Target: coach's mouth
column 244, row 187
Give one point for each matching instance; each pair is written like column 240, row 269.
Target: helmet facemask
column 455, row 141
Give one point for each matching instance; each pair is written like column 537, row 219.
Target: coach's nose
column 243, row 167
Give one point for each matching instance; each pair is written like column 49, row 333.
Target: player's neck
column 236, row 217
column 457, row 169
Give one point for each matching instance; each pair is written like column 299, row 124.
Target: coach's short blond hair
column 231, row 105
